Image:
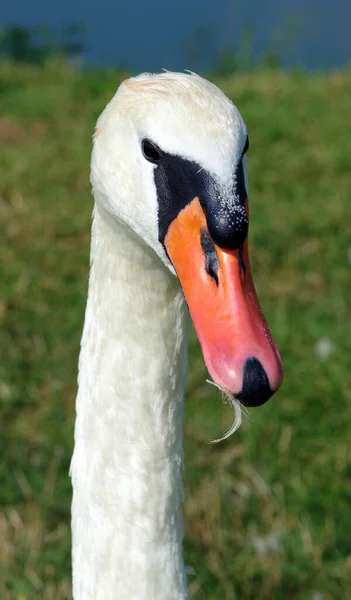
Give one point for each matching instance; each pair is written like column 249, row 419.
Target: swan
column 169, row 239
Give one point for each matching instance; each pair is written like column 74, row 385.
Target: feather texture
column 127, row 527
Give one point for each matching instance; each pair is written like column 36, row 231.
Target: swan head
column 169, row 163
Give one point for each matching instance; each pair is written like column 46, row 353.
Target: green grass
column 267, row 512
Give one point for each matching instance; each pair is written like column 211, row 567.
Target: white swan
column 169, row 180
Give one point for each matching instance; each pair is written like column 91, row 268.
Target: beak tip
column 256, row 389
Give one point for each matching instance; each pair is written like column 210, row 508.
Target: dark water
column 151, row 34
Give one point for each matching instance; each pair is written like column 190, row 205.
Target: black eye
column 151, row 152
column 246, row 147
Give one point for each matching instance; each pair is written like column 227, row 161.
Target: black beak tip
column 256, row 389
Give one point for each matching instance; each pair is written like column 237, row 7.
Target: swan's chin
column 237, row 345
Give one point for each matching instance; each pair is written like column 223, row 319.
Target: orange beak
column 237, row 345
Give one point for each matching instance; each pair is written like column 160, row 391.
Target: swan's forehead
column 187, row 116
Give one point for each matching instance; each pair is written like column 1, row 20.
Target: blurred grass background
column 267, row 512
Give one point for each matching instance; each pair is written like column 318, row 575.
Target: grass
column 267, row 512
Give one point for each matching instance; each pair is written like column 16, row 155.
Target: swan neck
column 127, row 524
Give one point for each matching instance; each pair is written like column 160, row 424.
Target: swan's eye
column 151, row 152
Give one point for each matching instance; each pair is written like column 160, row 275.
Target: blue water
column 150, row 34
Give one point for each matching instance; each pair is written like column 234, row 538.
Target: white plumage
column 126, row 469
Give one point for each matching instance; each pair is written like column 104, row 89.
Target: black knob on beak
column 228, row 228
column 227, row 220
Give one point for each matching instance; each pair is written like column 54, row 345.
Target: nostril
column 212, row 265
column 256, row 389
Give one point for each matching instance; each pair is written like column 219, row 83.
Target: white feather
column 127, row 525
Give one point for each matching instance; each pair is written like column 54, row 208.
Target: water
column 147, row 35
